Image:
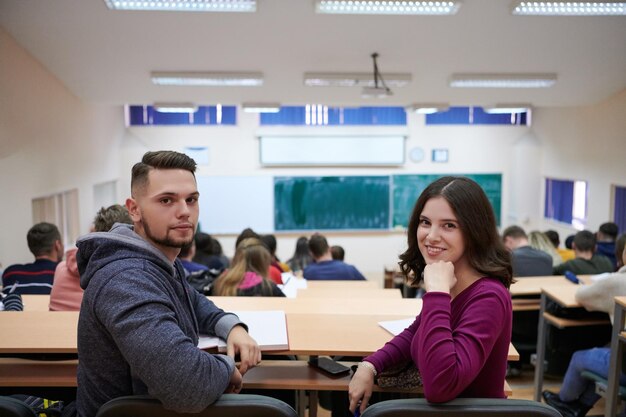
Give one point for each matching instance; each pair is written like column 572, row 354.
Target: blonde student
column 460, row 340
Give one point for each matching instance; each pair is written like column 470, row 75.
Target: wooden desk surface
column 309, row 334
column 564, row 295
column 331, row 285
column 363, row 293
column 315, row 305
column 533, row 285
column 621, row 301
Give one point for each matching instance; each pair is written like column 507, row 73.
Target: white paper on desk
column 291, row 284
column 395, row 327
column 600, row 277
column 268, row 328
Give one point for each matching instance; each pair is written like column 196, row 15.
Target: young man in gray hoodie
column 139, row 320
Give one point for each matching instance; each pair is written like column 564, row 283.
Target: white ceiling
column 106, row 56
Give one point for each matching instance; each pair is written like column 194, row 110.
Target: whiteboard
column 331, row 150
column 230, row 204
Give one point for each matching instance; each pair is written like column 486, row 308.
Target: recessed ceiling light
column 507, row 108
column 404, row 7
column 175, row 107
column 570, row 8
column 261, row 107
column 427, row 108
column 502, row 80
column 184, row 5
column 211, row 79
column 355, row 79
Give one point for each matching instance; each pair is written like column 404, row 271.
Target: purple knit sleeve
column 396, row 350
column 448, row 360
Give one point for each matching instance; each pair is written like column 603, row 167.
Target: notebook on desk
column 395, row 327
column 268, row 328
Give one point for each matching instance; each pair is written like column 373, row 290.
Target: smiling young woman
column 460, row 340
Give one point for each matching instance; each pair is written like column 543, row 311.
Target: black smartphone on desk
column 329, row 366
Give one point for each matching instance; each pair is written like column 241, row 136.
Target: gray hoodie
column 138, row 327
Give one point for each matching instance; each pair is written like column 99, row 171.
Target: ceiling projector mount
column 380, row 89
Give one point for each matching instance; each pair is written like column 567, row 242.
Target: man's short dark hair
column 159, row 160
column 554, row 237
column 246, row 233
column 609, row 229
column 337, row 253
column 585, row 241
column 270, row 242
column 568, row 241
column 107, row 217
column 514, row 232
column 318, row 245
column 41, row 238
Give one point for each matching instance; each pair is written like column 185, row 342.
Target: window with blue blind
column 205, row 115
column 318, row 115
column 619, row 207
column 566, row 201
column 475, row 116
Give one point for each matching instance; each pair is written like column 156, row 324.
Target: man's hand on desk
column 235, row 384
column 239, row 341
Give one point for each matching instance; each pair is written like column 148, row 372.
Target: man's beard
column 166, row 241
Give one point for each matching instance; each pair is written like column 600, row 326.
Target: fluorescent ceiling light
column 428, row 108
column 502, row 80
column 211, row 79
column 570, row 8
column 184, row 5
column 356, row 79
column 175, row 107
column 261, row 107
column 404, row 7
column 508, row 108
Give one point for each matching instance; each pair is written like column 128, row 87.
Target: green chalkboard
column 326, row 203
column 407, row 188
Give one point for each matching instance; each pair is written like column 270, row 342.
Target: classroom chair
column 602, row 384
column 11, row 407
column 461, row 407
column 240, row 405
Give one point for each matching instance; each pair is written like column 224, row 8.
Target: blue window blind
column 559, row 200
column 475, row 116
column 318, row 115
column 205, row 115
column 619, row 210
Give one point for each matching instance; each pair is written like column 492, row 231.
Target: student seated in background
column 186, row 255
column 248, row 275
column 270, row 242
column 605, row 241
column 66, row 294
column 274, row 272
column 460, row 340
column 337, row 253
column 586, row 262
column 44, row 242
column 301, row 257
column 325, row 267
column 578, row 395
column 140, row 321
column 566, row 254
column 540, row 241
column 527, row 261
column 209, row 253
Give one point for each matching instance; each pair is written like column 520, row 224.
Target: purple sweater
column 462, row 346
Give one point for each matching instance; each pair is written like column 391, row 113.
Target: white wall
column 50, row 141
column 585, row 143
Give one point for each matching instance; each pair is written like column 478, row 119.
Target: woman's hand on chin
column 439, row 276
